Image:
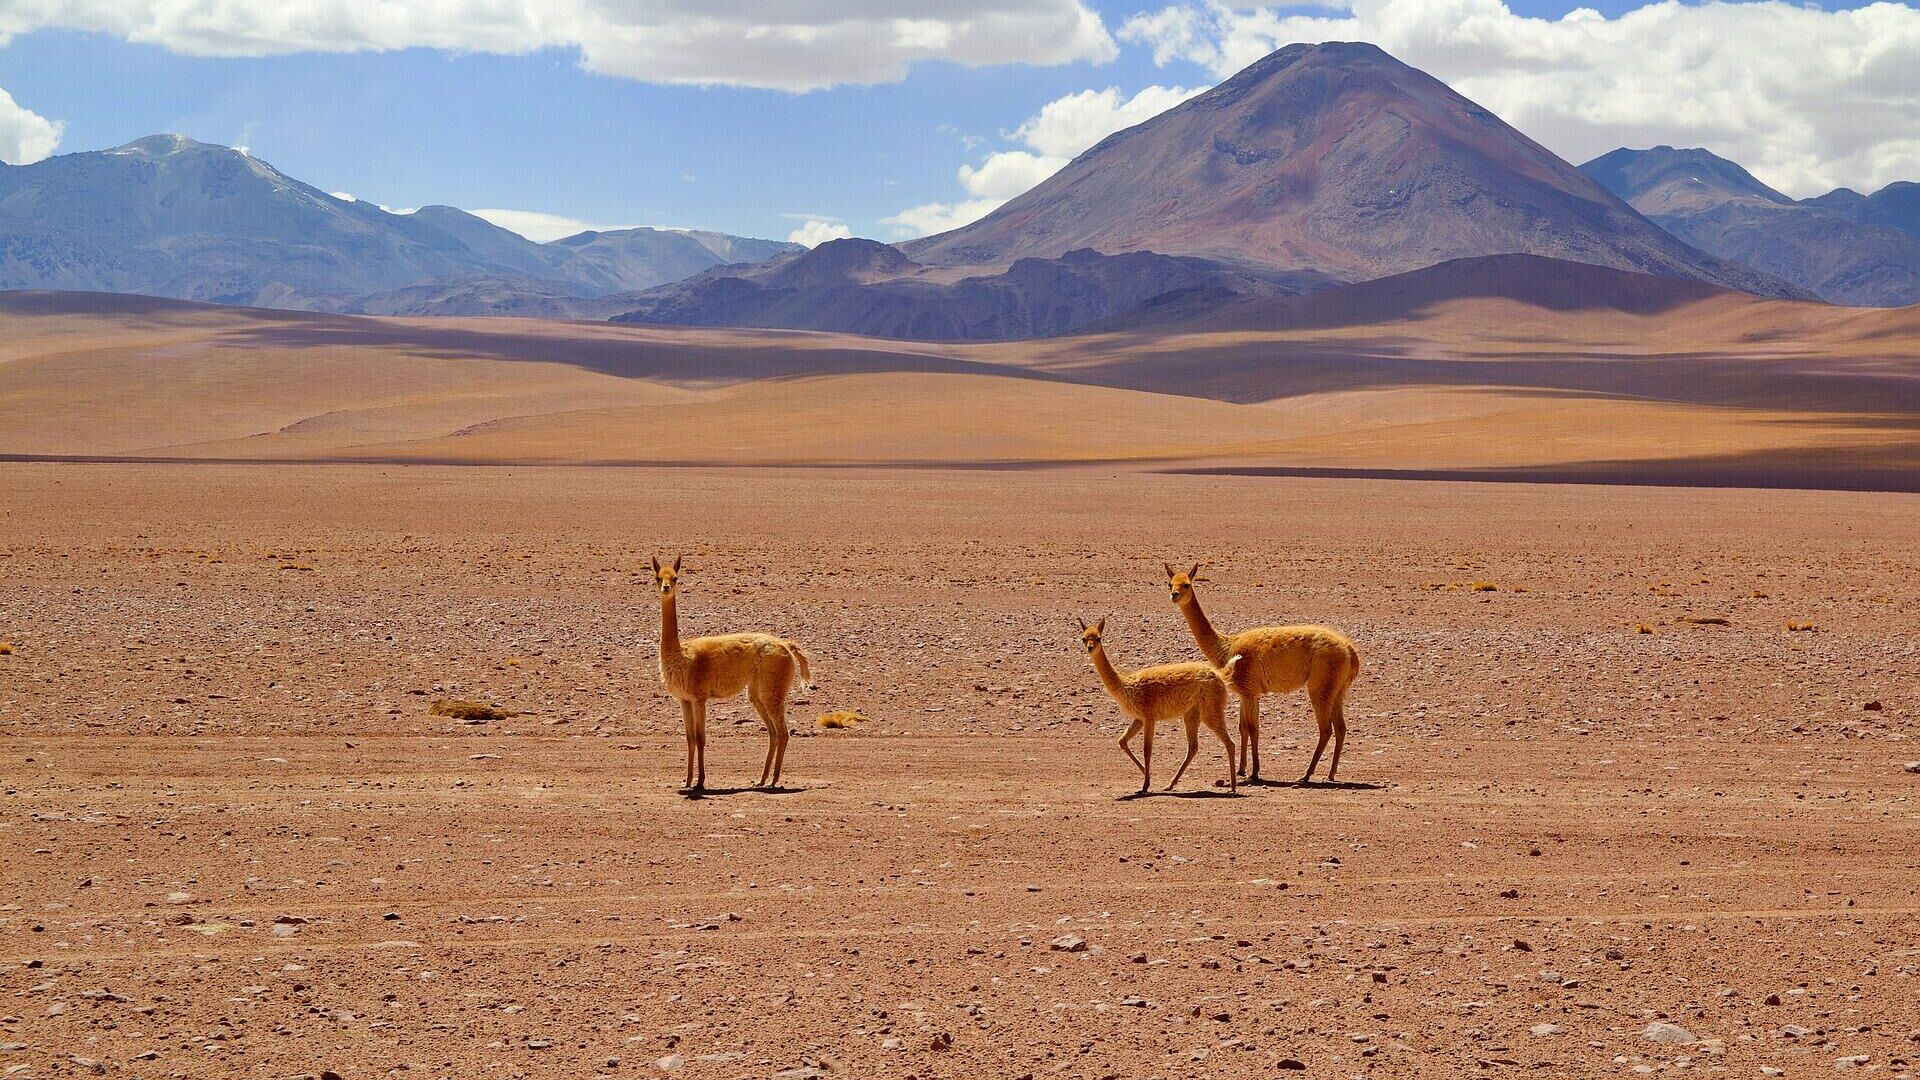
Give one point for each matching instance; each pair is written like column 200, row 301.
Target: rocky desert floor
column 235, row 841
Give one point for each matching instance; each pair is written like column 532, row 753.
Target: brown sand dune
column 1510, row 363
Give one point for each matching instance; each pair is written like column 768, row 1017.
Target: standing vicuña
column 1192, row 691
column 1276, row 660
column 703, row 669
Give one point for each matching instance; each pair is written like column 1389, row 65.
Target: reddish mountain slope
column 1334, row 158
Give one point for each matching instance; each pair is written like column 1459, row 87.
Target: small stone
column 1912, row 766
column 1134, row 1002
column 671, row 1062
column 98, row 1068
column 1543, row 1030
column 1068, row 943
column 1290, row 1063
column 942, row 1041
column 1871, row 706
column 1795, row 1031
column 1615, row 954
column 1672, row 1034
column 1521, row 946
column 1552, row 977
column 1773, row 999
column 539, row 1044
column 1851, row 1061
column 179, row 898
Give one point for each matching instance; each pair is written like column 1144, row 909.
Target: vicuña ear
column 1080, row 622
column 676, row 564
column 1168, row 567
column 655, row 560
column 1195, row 572
column 1101, row 626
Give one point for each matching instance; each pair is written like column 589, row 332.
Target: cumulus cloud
column 792, row 46
column 25, row 136
column 817, row 231
column 929, row 218
column 1059, row 132
column 1806, row 99
column 539, row 227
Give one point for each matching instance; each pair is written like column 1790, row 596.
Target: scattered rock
column 1672, row 1034
column 671, row 1062
column 1851, row 1061
column 1068, row 943
column 1290, row 1063
column 942, row 1041
column 1543, row 1030
column 1912, row 766
column 1871, row 706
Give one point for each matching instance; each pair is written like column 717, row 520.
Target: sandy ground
column 1726, row 391
column 236, row 843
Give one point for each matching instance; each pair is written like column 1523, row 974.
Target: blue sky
column 539, row 132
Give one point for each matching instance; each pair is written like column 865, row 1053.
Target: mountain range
column 169, row 216
column 1317, row 167
column 1844, row 247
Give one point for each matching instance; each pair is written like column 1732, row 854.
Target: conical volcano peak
column 1333, row 158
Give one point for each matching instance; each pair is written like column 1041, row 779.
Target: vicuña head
column 1181, row 581
column 666, row 576
column 1090, row 635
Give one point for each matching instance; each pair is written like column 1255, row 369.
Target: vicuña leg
column 686, row 719
column 1339, row 730
column 1250, row 735
column 1322, row 697
column 1132, row 730
column 765, row 708
column 1146, row 757
column 700, row 745
column 1193, row 745
column 1216, row 721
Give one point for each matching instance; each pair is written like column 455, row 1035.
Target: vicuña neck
column 669, row 628
column 1108, row 677
column 1211, row 643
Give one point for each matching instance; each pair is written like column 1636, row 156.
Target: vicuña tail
column 801, row 669
column 1226, row 669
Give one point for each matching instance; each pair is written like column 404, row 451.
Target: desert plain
column 1601, row 813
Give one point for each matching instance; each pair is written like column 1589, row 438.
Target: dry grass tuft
column 6, row 648
column 1710, row 620
column 1483, row 586
column 1643, row 628
column 461, row 709
column 1794, row 627
column 844, row 718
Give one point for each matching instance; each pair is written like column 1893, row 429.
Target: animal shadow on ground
column 1330, row 785
column 1131, row 796
column 695, row 795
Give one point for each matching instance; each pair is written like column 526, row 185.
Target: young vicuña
column 1192, row 691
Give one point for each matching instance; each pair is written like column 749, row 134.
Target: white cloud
column 25, row 136
column 539, row 227
column 1058, row 133
column 1806, row 99
column 930, row 218
column 792, row 46
column 1065, row 127
column 343, row 196
column 816, row 232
